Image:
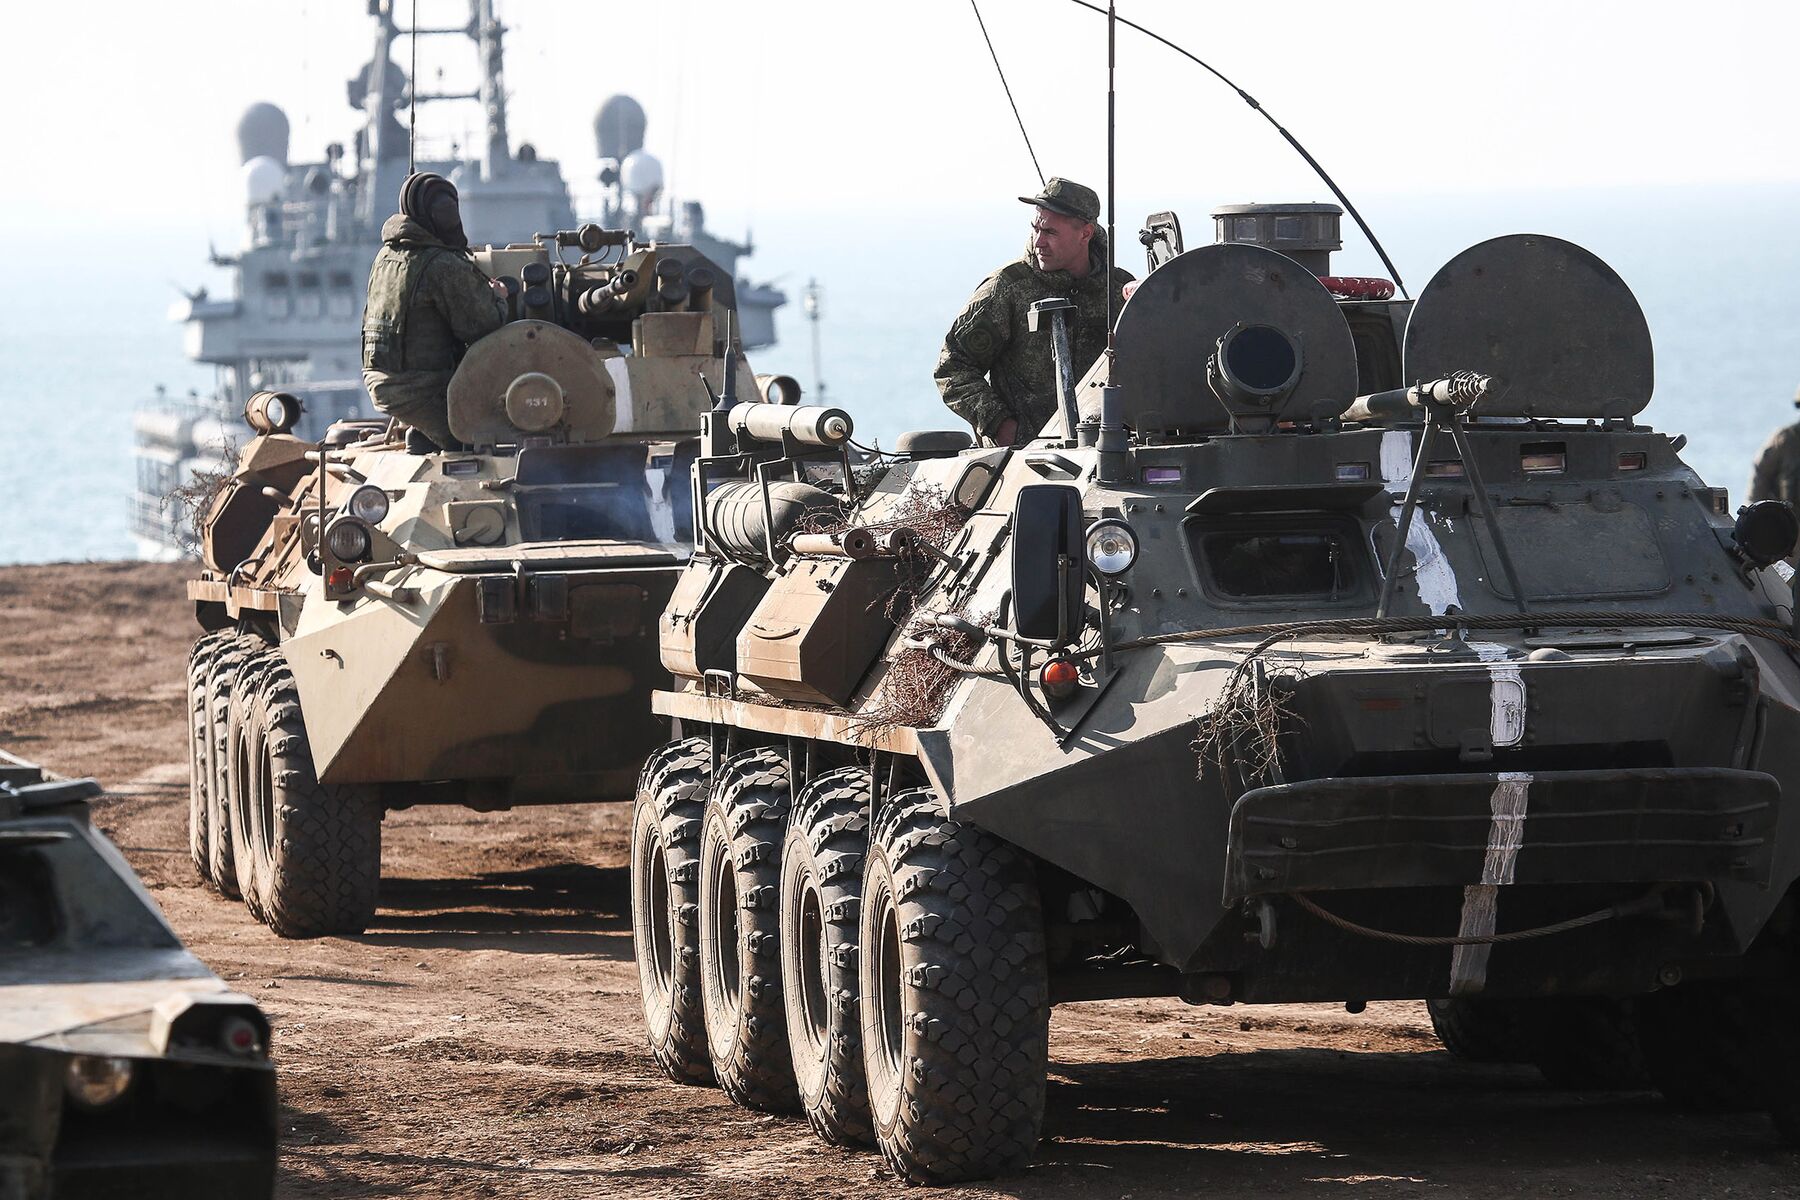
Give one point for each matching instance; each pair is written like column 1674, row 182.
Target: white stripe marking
column 1432, row 573
column 1506, row 833
column 1506, row 696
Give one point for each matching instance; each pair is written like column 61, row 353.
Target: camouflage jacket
column 1777, row 475
column 992, row 367
column 427, row 303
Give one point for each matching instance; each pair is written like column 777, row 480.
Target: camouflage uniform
column 427, row 303
column 1777, row 475
column 992, row 367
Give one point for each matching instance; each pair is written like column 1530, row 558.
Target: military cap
column 1067, row 197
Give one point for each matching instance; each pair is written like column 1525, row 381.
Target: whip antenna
column 412, row 107
column 1112, row 100
column 1007, row 87
column 1264, row 113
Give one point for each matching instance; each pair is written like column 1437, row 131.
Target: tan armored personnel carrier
column 1329, row 647
column 474, row 626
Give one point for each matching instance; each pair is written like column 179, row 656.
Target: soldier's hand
column 499, row 288
column 1006, row 432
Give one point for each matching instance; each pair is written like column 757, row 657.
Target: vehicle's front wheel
column 1704, row 1046
column 821, row 905
column 954, row 995
column 200, row 768
column 665, row 890
column 221, row 677
column 740, row 934
column 317, row 845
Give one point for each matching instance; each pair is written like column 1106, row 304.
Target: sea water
column 1716, row 269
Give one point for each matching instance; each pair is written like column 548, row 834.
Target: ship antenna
column 412, row 107
column 1112, row 100
column 1264, row 113
column 994, row 54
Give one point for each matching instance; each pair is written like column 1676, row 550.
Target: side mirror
column 1049, row 573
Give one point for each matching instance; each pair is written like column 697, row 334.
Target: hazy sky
column 122, row 107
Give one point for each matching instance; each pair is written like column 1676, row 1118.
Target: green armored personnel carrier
column 472, row 626
column 1329, row 647
column 127, row 1068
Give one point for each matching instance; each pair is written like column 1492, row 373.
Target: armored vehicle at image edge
column 126, row 1067
column 1327, row 647
column 387, row 628
column 292, row 320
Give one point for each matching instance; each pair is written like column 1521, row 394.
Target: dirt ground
column 483, row 1039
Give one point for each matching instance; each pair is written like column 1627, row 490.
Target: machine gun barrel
column 810, row 424
column 609, row 295
column 1459, row 392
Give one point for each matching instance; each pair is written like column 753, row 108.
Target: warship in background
column 293, row 320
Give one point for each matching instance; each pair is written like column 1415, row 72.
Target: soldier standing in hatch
column 427, row 304
column 993, row 373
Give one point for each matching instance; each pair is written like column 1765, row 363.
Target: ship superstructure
column 293, row 317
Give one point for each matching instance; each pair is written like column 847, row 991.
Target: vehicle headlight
column 348, row 539
column 369, row 503
column 95, row 1081
column 1111, row 546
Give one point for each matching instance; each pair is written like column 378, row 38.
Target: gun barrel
column 1460, row 391
column 810, row 424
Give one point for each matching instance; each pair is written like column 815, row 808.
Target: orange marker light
column 340, row 578
column 1058, row 678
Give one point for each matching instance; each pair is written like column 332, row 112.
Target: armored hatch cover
column 584, row 395
column 1556, row 327
column 1168, row 329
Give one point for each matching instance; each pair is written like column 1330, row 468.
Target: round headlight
column 348, row 539
column 94, row 1081
column 1111, row 546
column 368, row 503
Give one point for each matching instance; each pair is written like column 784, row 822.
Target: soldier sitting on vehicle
column 993, row 373
column 427, row 304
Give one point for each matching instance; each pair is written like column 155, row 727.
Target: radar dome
column 641, row 174
column 264, row 179
column 262, row 132
column 619, row 127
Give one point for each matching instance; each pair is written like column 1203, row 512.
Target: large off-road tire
column 221, row 678
column 954, row 994
column 665, row 905
column 1780, row 1005
column 821, row 906
column 1704, row 1047
column 244, row 775
column 1584, row 1043
column 316, row 846
column 1479, row 1029
column 200, row 768
column 740, row 934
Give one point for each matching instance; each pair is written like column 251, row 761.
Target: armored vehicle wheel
column 199, row 755
column 665, row 905
column 954, row 995
column 316, row 847
column 221, row 675
column 244, row 774
column 1479, row 1030
column 740, row 935
column 821, row 903
column 1585, row 1043
column 1702, row 1046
